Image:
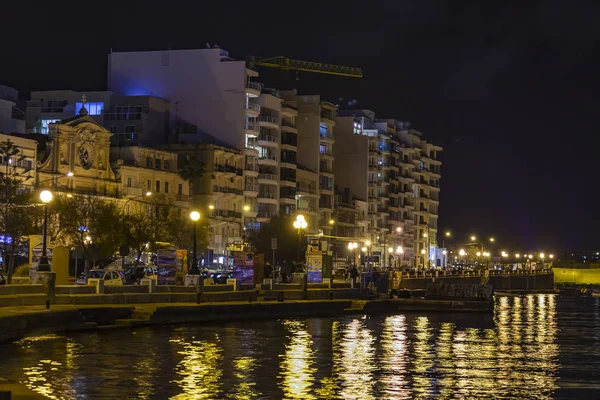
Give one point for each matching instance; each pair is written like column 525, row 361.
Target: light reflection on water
column 534, row 347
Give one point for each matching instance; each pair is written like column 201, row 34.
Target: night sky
column 508, row 91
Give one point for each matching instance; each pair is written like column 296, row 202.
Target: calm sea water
column 538, row 347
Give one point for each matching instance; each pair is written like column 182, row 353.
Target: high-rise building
column 397, row 173
column 12, row 120
column 315, row 141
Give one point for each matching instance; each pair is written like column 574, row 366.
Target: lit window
column 45, row 128
column 93, row 108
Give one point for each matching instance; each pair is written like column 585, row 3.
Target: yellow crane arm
column 285, row 63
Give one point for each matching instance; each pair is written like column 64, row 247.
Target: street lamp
column 398, row 229
column 448, row 234
column 331, row 222
column 551, row 256
column 147, row 194
column 45, row 197
column 364, row 249
column 473, row 238
column 194, row 216
column 492, row 239
column 300, row 223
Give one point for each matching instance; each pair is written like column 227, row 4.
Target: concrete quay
column 17, row 322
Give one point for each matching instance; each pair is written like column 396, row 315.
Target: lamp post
column 46, row 197
column 399, row 252
column 352, row 246
column 147, row 194
column 423, row 254
column 194, row 216
column 300, row 224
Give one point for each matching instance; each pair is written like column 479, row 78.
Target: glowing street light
column 542, row 256
column 551, row 256
column 444, row 252
column 423, row 251
column 195, row 217
column 331, row 222
column 300, row 224
column 399, row 250
column 364, row 249
column 530, row 256
column 368, row 243
column 478, row 254
column 492, row 239
column 390, row 250
column 462, row 252
column 448, row 234
column 70, row 174
column 45, row 197
column 473, row 238
column 246, row 208
column 425, row 235
column 398, row 229
column 517, row 255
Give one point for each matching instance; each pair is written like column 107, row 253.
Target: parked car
column 221, row 277
column 110, row 277
column 136, row 274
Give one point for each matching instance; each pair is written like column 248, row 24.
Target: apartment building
column 218, row 194
column 24, row 163
column 388, row 165
column 132, row 120
column 149, row 175
column 315, row 140
column 307, row 197
column 12, row 120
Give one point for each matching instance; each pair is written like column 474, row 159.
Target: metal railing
column 267, row 195
column 268, row 118
column 268, row 138
column 250, row 187
column 306, row 189
column 254, row 85
column 270, row 158
column 250, row 167
column 271, row 177
column 253, row 107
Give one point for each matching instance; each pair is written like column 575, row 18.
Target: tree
column 191, row 168
column 17, row 214
column 181, row 231
column 90, row 223
column 282, row 228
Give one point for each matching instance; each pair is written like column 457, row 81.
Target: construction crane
column 287, row 64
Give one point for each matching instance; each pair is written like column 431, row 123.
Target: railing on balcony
column 267, row 195
column 271, row 177
column 250, row 167
column 326, row 152
column 270, row 158
column 268, row 118
column 251, row 187
column 252, row 126
column 325, row 204
column 285, row 122
column 222, row 189
column 327, row 135
column 266, row 214
column 327, row 115
column 228, row 168
column 226, row 214
column 325, row 187
column 287, row 105
column 307, row 208
column 253, row 107
column 306, row 189
column 254, row 85
column 268, row 138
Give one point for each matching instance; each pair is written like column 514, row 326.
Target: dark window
column 148, row 162
column 166, row 164
column 128, row 182
column 166, row 187
column 157, row 186
column 157, row 163
column 149, row 185
column 180, row 188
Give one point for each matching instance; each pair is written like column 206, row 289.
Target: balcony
column 287, row 126
column 265, row 215
column 267, row 197
column 289, row 109
column 267, row 160
column 227, row 190
column 252, row 110
column 227, row 169
column 269, row 179
column 266, row 140
column 253, row 88
column 252, row 128
column 251, row 189
column 327, row 117
column 268, row 121
column 326, row 205
column 327, row 136
column 308, row 209
column 251, row 170
column 325, row 188
column 303, row 190
column 227, row 214
column 326, row 154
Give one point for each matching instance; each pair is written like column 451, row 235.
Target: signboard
column 35, row 248
column 166, row 265
column 273, row 243
column 314, row 267
column 181, row 269
column 243, row 267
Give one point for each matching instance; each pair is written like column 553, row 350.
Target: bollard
column 250, row 296
column 47, row 304
column 5, row 395
column 330, row 295
column 198, row 295
column 280, row 297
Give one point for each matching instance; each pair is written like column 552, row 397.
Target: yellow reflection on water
column 297, row 363
column 356, row 364
column 200, row 368
column 394, row 359
column 243, row 369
